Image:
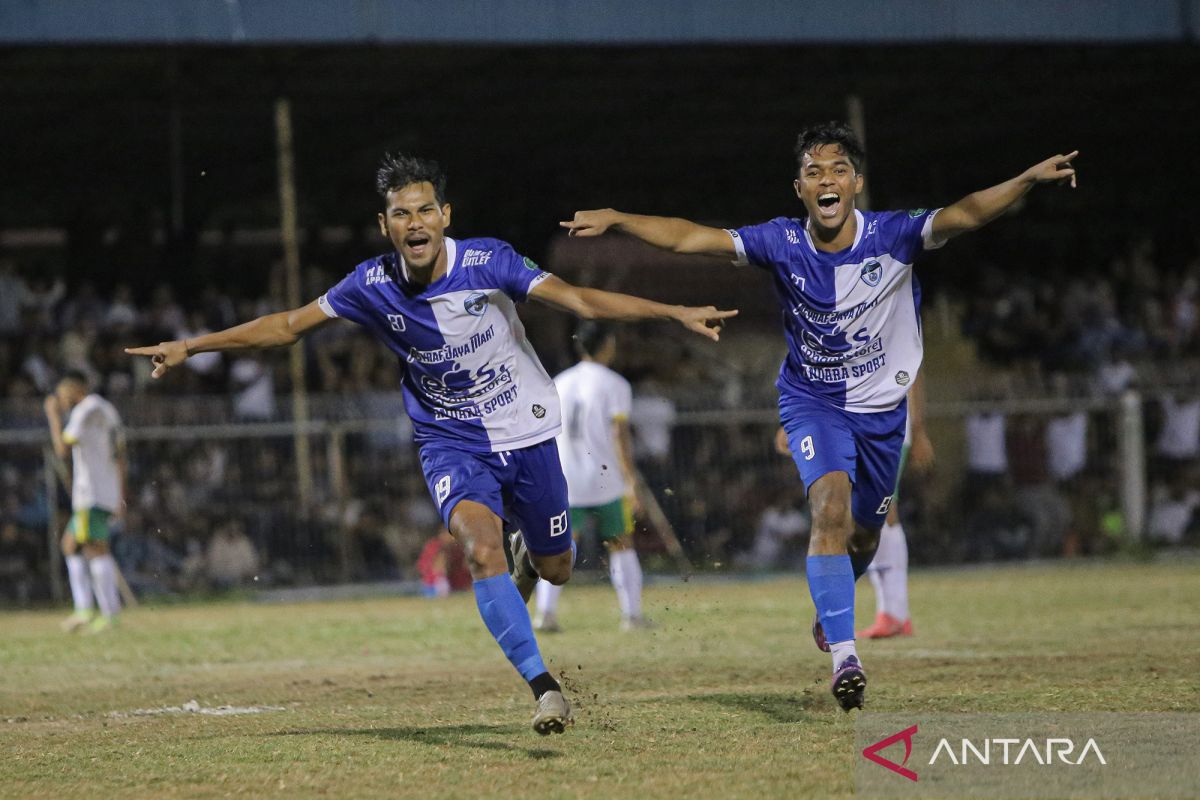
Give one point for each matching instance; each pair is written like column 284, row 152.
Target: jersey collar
column 860, row 225
column 451, row 260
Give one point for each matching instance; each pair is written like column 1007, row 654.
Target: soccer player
column 889, row 569
column 596, row 449
column 484, row 411
column 844, row 281
column 94, row 443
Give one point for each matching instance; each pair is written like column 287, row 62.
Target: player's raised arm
column 979, row 208
column 272, row 330
column 668, row 233
column 598, row 304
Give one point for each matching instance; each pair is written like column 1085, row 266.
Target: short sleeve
column 763, row 245
column 621, row 399
column 78, row 419
column 928, row 242
column 345, row 299
column 915, row 232
column 516, row 275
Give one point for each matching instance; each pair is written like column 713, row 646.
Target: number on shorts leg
column 442, row 487
column 806, row 447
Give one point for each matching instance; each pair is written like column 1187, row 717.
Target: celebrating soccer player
column 850, row 301
column 484, row 411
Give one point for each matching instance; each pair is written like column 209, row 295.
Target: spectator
column 230, row 559
column 443, row 566
column 783, row 524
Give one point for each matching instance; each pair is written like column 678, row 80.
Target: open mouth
column 829, row 203
column 418, row 244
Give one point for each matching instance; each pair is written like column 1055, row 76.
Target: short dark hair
column 838, row 133
column 397, row 170
column 590, row 336
column 75, row 376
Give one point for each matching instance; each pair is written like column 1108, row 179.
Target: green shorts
column 612, row 520
column 90, row 525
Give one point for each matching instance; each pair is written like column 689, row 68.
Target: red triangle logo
column 872, row 752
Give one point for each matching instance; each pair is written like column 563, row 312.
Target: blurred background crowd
column 1035, row 327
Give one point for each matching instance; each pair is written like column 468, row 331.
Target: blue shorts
column 524, row 487
column 867, row 447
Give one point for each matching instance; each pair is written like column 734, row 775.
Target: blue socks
column 507, row 619
column 831, row 584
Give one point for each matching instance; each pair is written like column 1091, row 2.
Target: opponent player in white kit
column 850, row 305
column 596, row 450
column 484, row 411
column 94, row 443
column 889, row 569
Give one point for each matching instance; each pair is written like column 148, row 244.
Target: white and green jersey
column 94, row 432
column 593, row 397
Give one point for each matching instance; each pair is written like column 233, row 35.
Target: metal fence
column 219, row 504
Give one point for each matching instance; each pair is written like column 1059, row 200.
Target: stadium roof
column 586, row 21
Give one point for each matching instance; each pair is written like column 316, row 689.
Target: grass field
column 411, row 698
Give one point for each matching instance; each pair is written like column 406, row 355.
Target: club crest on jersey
column 872, row 271
column 476, row 304
column 538, row 411
column 902, row 378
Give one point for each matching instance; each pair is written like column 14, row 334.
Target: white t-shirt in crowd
column 985, row 444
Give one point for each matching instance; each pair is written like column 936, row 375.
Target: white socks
column 104, row 578
column 626, row 572
column 547, row 599
column 889, row 573
column 841, row 651
column 81, row 582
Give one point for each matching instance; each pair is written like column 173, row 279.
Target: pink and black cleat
column 849, row 683
column 819, row 635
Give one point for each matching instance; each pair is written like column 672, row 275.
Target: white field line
column 193, row 707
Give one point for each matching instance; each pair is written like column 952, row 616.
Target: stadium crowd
column 221, row 511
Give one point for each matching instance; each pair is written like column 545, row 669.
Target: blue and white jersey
column 851, row 318
column 470, row 377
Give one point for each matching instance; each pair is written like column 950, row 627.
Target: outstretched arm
column 979, row 208
column 273, row 330
column 668, row 233
column 598, row 304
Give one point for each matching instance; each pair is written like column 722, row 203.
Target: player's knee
column 864, row 539
column 831, row 514
column 486, row 556
column 555, row 570
column 622, row 542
